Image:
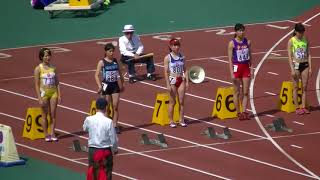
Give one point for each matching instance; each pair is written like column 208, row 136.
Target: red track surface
column 247, row 155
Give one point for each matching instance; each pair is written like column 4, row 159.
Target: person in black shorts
column 109, row 79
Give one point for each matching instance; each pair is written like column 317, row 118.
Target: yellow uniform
column 299, row 51
column 48, row 84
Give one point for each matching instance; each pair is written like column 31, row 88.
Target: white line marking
column 151, row 107
column 299, row 147
column 269, row 115
column 254, row 108
column 147, row 34
column 131, row 151
column 318, row 86
column 296, row 122
column 170, row 136
column 278, row 27
column 270, row 93
column 273, row 73
column 219, row 60
column 295, row 22
column 67, row 159
column 275, row 54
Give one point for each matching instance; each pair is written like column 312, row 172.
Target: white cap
column 128, row 28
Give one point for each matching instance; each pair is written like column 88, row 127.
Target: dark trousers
column 131, row 68
column 109, row 162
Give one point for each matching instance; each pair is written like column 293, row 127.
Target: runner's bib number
column 48, row 79
column 300, row 53
column 111, row 76
column 172, row 80
column 243, row 55
column 178, row 69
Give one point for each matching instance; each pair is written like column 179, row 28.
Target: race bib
column 235, row 68
column 42, row 93
column 48, row 79
column 300, row 53
column 104, row 86
column 172, row 80
column 296, row 65
column 112, row 76
column 178, row 69
column 243, row 55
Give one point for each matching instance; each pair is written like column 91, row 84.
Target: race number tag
column 42, row 93
column 112, row 76
column 235, row 68
column 48, row 79
column 300, row 53
column 296, row 65
column 243, row 55
column 104, row 86
column 172, row 80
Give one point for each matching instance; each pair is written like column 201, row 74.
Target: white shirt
column 101, row 132
column 130, row 47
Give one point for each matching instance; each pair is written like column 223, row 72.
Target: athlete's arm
column 37, row 82
column 290, row 57
column 309, row 58
column 250, row 60
column 58, row 86
column 230, row 48
column 166, row 64
column 97, row 75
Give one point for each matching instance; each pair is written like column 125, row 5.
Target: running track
column 252, row 153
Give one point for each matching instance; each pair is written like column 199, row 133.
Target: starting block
column 8, row 150
column 161, row 141
column 211, row 133
column 76, row 146
column 278, row 125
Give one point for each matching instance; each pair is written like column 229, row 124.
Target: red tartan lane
column 62, row 148
column 85, row 55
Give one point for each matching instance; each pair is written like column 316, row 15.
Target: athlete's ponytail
column 298, row 28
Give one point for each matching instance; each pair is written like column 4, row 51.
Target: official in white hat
column 131, row 50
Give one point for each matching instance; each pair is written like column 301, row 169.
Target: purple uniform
column 240, row 52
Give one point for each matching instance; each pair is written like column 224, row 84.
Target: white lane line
column 147, row 34
column 219, row 60
column 151, row 107
column 296, row 122
column 295, row 22
column 67, row 159
column 273, row 73
column 212, row 144
column 318, row 86
column 295, row 146
column 173, row 137
column 278, row 27
column 270, row 93
column 275, row 54
column 254, row 108
column 194, row 143
column 131, row 151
